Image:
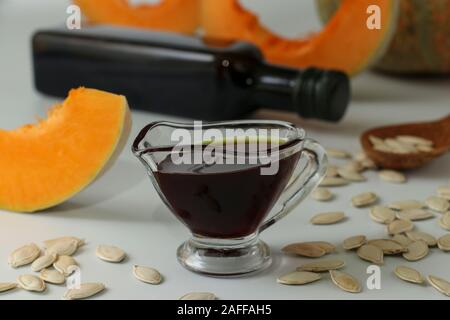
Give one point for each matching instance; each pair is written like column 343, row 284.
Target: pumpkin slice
column 44, row 164
column 171, row 15
column 345, row 43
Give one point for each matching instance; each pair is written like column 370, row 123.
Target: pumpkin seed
column 364, row 199
column 345, row 281
column 391, row 146
column 63, row 247
column 354, row 166
column 417, row 235
column 322, row 194
column 110, row 253
column 384, row 148
column 444, row 222
column 375, row 140
column 51, row 242
column 368, row 164
column 406, row 204
column 299, row 278
column 43, row 262
column 402, row 239
column 305, row 249
column 360, row 156
column 414, row 214
column 400, row 147
column 392, row 176
column 52, row 276
column 86, row 290
column 400, row 226
column 416, row 250
column 147, row 275
column 199, row 296
column 7, row 286
column 65, row 264
column 414, row 140
column 388, row 246
column 371, row 253
column 408, row 274
column 351, row 175
column 333, row 182
column 382, row 214
column 338, row 153
column 322, row 266
column 393, row 143
column 328, row 218
column 437, row 204
column 354, row 242
column 332, row 171
column 24, row 255
column 30, row 282
column 328, row 247
column 444, row 243
column 444, row 192
column 441, row 285
column 424, row 148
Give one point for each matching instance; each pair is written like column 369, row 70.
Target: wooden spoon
column 436, row 131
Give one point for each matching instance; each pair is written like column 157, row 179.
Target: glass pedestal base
column 221, row 258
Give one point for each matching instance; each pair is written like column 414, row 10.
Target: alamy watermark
column 73, row 281
column 374, row 280
column 373, row 22
column 228, row 147
column 73, row 21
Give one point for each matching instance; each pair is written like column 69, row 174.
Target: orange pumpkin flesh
column 44, row 164
column 170, row 15
column 345, row 43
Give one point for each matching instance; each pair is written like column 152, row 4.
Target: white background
column 123, row 209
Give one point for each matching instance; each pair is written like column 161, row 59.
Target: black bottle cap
column 322, row 94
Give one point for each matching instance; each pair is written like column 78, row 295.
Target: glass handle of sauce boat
column 304, row 180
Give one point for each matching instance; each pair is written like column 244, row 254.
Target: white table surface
column 123, row 209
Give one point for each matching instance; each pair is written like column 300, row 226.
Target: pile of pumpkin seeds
column 402, row 239
column 403, row 144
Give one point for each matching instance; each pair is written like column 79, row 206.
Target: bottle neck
column 274, row 87
column 311, row 92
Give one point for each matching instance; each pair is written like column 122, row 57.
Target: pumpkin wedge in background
column 421, row 44
column 44, row 164
column 170, row 15
column 345, row 43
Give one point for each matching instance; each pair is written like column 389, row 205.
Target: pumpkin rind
column 43, row 165
column 345, row 43
column 169, row 15
column 421, row 43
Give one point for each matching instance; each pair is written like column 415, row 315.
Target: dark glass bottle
column 184, row 76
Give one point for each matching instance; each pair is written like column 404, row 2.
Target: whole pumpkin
column 421, row 44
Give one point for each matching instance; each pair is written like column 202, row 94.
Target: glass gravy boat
column 222, row 190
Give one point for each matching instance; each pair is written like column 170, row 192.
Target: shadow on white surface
column 160, row 213
column 76, row 211
column 394, row 90
column 350, row 126
column 434, row 171
column 123, row 177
